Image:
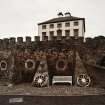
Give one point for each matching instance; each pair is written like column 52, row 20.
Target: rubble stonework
column 22, row 61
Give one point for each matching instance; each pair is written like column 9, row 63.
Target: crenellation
column 37, row 38
column 12, row 40
column 1, row 43
column 5, row 43
column 28, row 40
column 19, row 40
column 45, row 38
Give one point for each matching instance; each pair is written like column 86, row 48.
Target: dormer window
column 43, row 26
column 59, row 25
column 76, row 23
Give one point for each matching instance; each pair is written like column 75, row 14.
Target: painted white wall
column 63, row 28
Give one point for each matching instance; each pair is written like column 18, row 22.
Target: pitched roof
column 63, row 19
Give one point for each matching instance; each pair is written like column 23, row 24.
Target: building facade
column 62, row 26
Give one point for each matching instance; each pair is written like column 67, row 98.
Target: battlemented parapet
column 20, row 40
column 28, row 57
column 39, row 61
column 8, row 43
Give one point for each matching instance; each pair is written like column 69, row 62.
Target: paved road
column 52, row 100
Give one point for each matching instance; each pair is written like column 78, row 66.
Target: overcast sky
column 20, row 17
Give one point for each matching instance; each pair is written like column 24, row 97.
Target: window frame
column 43, row 34
column 66, row 33
column 59, row 25
column 44, row 26
column 75, row 33
column 66, row 24
column 50, row 33
column 58, row 32
column 51, row 25
column 76, row 23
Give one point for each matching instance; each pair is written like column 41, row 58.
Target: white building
column 62, row 26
